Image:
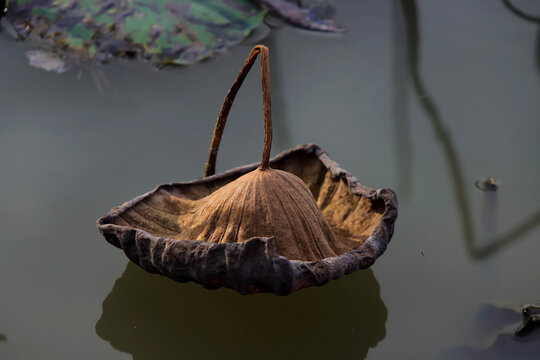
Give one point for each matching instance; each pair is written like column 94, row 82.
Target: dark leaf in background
column 319, row 16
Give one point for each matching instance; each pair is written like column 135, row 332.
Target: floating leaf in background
column 163, row 31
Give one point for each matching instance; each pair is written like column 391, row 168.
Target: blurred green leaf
column 163, row 31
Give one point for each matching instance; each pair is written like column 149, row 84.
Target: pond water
column 425, row 98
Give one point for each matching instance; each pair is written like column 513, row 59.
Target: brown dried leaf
column 303, row 223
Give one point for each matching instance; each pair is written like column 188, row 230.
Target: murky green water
column 425, row 101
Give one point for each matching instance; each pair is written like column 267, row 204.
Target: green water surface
column 424, row 97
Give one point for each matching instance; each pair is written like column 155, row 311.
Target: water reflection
column 497, row 324
column 490, row 207
column 504, row 347
column 494, row 243
column 523, row 15
column 152, row 317
column 400, row 107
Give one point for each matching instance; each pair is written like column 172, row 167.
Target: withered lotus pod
column 288, row 223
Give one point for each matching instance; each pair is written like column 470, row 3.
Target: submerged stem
column 227, row 104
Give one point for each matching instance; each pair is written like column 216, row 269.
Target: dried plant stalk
column 227, row 104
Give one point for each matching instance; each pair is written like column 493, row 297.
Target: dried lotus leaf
column 158, row 250
column 296, row 221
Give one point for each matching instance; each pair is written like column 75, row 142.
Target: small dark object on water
column 487, row 185
column 288, row 223
column 531, row 320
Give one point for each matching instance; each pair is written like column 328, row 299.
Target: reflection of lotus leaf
column 152, row 317
column 165, row 31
